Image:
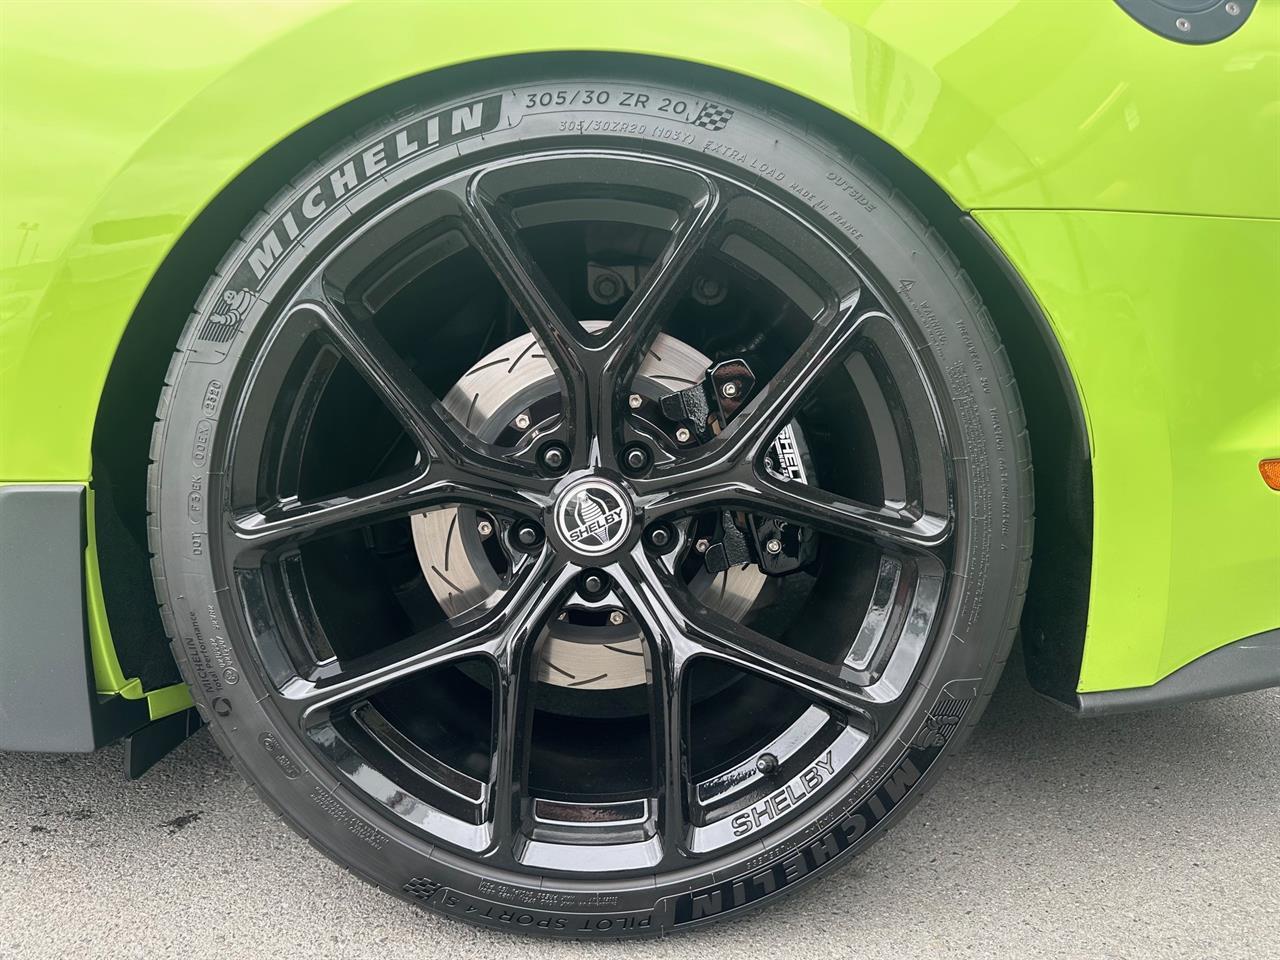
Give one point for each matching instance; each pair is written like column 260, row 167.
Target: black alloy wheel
column 586, row 533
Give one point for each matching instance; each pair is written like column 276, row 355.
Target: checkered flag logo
column 713, row 117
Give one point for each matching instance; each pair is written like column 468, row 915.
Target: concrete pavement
column 1147, row 836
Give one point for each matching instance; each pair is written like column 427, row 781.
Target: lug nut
column 767, row 764
column 702, row 545
column 522, row 421
column 773, row 545
column 526, row 534
column 634, row 401
column 729, row 390
column 484, row 528
column 617, row 618
column 660, row 537
column 593, row 584
column 554, row 457
column 683, row 435
column 635, row 458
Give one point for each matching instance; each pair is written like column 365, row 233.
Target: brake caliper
column 704, row 408
column 697, row 414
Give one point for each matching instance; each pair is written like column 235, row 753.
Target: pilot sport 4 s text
column 588, row 463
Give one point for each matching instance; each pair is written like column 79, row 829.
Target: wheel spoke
column 595, row 369
column 364, row 347
column 494, row 235
column 669, row 715
column 747, row 488
column 836, row 687
column 694, row 630
column 729, row 475
column 308, row 701
column 513, row 702
column 823, row 511
column 617, row 355
column 461, row 468
column 512, row 725
column 432, row 427
column 311, row 701
column 773, row 407
column 669, row 653
column 292, row 522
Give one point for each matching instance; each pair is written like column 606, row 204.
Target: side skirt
column 1240, row 667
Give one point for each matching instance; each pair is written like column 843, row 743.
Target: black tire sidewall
column 920, row 278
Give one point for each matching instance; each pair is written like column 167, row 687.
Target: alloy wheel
column 599, row 508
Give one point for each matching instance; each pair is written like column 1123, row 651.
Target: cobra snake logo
column 593, row 518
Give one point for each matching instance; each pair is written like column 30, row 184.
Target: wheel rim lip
column 636, row 519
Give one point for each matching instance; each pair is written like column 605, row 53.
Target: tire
column 230, row 638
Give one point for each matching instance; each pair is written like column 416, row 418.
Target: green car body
column 1131, row 182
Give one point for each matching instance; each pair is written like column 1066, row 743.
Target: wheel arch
column 1057, row 601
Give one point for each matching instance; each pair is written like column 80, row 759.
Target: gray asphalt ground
column 1147, row 836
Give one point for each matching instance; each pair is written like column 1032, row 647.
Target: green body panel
column 122, row 121
column 1172, row 327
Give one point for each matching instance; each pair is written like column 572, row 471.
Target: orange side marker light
column 1271, row 472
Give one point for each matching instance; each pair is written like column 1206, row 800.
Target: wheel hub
column 514, row 387
column 593, row 516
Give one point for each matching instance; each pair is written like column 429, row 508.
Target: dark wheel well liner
column 1054, row 617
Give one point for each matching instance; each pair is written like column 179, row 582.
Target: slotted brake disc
column 582, row 649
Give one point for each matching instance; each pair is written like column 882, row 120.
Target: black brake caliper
column 700, row 411
column 782, row 547
column 708, row 405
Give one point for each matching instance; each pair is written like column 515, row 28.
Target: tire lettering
column 313, row 204
column 372, row 161
column 265, row 254
column 842, row 833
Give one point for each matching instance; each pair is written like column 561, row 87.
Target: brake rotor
column 514, row 388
